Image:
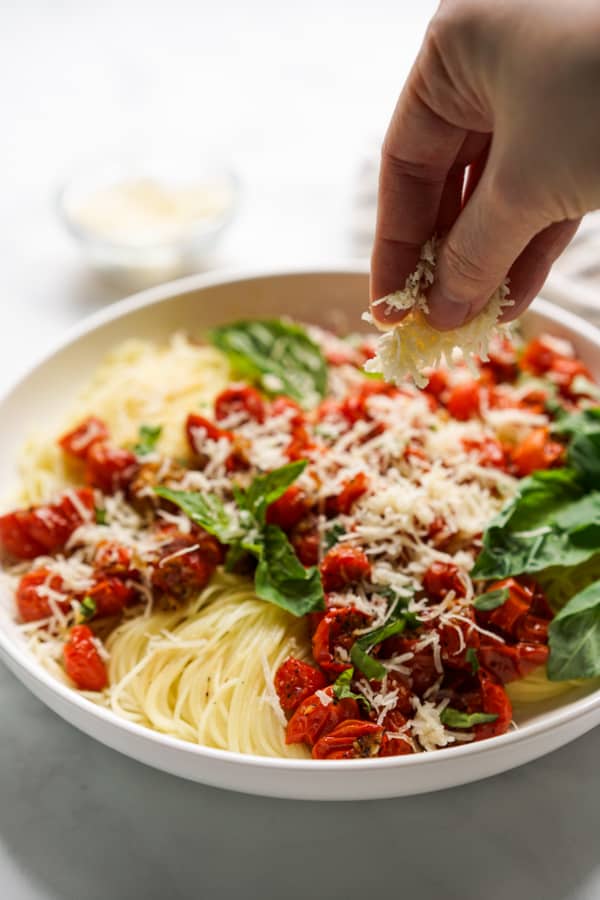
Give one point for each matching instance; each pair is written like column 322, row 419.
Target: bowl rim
column 20, row 658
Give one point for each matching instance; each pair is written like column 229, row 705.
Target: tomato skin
column 113, row 558
column 240, row 399
column 390, row 746
column 355, row 405
column 83, row 663
column 195, row 424
column 510, row 663
column 441, row 578
column 306, row 543
column 31, row 604
column 353, row 490
column 110, row 468
column 532, row 629
column 437, row 383
column 502, row 361
column 563, row 372
column 296, row 680
column 77, row 442
column 336, row 629
column 289, row 509
column 43, row 529
column 538, row 357
column 464, row 400
column 423, row 673
column 457, row 639
column 313, row 718
column 111, row 596
column 488, row 451
column 351, row 739
column 343, row 565
column 179, row 577
column 537, row 451
column 285, row 406
column 495, row 700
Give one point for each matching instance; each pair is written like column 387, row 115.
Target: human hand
column 494, row 145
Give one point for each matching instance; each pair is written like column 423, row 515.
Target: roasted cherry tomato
column 288, row 408
column 110, row 468
column 495, row 701
column 44, row 529
column 355, row 405
column 352, row 490
column 111, row 596
column 78, row 441
column 242, row 400
column 464, row 400
column 506, row 616
column 351, row 739
column 344, row 565
column 198, row 429
column 422, row 667
column 113, row 558
column 336, row 631
column 295, row 680
column 502, row 362
column 32, row 595
column 289, row 509
column 83, row 663
column 437, row 383
column 185, row 566
column 488, row 452
column 538, row 357
column 537, row 451
column 457, row 637
column 314, row 718
column 509, row 663
column 441, row 578
column 306, row 542
column 396, row 740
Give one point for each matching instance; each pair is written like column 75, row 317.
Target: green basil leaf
column 370, row 667
column 332, row 536
column 574, row 637
column 148, row 436
column 491, row 599
column 88, row 608
column 342, row 689
column 278, row 355
column 265, row 489
column 583, row 428
column 206, row 510
column 100, row 516
column 471, row 657
column 360, row 650
column 282, row 579
column 454, row 718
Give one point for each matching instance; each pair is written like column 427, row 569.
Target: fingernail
column 445, row 313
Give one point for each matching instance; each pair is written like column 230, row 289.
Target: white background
column 295, row 94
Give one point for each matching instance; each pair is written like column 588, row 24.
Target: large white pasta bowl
column 333, row 297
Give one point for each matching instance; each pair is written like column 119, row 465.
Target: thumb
column 487, row 237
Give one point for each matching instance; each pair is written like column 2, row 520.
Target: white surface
column 198, row 303
column 301, row 89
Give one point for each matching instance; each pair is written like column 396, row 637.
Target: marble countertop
column 296, row 96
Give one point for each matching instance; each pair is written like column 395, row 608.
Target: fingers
column 530, row 271
column 488, row 236
column 419, row 152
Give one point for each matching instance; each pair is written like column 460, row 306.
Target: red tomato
column 353, row 489
column 488, row 451
column 313, row 718
column 186, row 565
column 110, row 468
column 538, row 357
column 240, row 399
column 32, row 602
column 355, row 405
column 289, row 509
column 83, row 663
column 464, row 400
column 301, row 444
column 343, row 565
column 337, row 629
column 506, row 616
column 394, row 723
column 457, row 638
column 495, row 700
column 113, row 558
column 45, row 529
column 532, row 629
column 437, row 384
column 199, row 429
column 111, row 596
column 295, row 680
column 509, row 663
column 351, row 739
column 78, row 441
column 285, row 406
column 423, row 673
column 307, row 544
column 537, row 451
column 502, row 361
column 442, row 577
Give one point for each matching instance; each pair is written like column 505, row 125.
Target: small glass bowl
column 138, row 260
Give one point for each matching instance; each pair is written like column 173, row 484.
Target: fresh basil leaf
column 206, row 510
column 574, row 637
column 471, row 657
column 360, row 650
column 583, row 421
column 100, row 516
column 88, row 608
column 370, row 667
column 332, row 536
column 454, row 718
column 265, row 489
column 148, row 436
column 553, row 520
column 491, row 599
column 282, row 579
column 342, row 689
column 583, row 428
column 278, row 355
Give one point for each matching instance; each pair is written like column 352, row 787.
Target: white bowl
column 333, row 297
